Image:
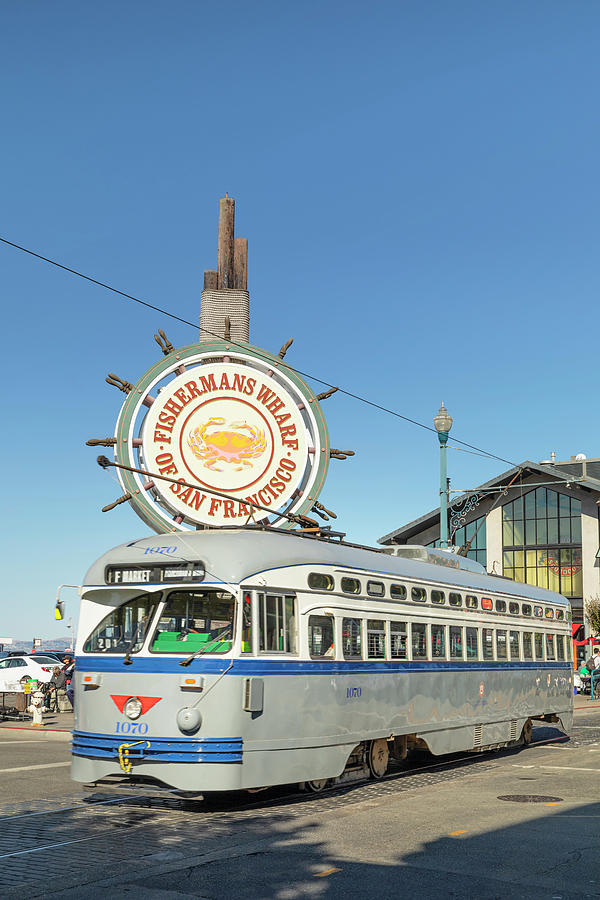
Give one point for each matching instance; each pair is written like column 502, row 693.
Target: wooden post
column 225, row 254
column 211, row 280
column 240, row 263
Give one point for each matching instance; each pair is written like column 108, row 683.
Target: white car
column 14, row 670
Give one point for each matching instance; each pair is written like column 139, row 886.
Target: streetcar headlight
column 133, row 708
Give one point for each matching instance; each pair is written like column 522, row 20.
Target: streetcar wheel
column 527, row 732
column 315, row 787
column 379, row 756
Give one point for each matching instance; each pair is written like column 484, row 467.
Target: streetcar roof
column 234, row 556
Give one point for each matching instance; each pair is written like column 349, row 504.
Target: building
column 537, row 523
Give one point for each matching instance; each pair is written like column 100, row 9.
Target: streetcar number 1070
column 131, row 728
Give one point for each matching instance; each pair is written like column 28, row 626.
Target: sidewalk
column 60, row 724
column 584, row 701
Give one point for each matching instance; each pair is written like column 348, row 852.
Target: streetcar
column 236, row 659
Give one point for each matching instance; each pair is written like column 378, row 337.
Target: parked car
column 61, row 654
column 53, row 655
column 15, row 670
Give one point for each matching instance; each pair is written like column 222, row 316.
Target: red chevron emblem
column 147, row 702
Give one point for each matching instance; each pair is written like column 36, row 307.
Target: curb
column 54, row 734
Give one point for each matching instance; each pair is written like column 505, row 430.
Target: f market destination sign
column 215, row 419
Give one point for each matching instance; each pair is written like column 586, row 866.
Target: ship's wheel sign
column 216, row 418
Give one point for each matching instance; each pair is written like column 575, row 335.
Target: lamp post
column 443, row 424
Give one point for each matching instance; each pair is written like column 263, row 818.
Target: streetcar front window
column 124, row 629
column 193, row 621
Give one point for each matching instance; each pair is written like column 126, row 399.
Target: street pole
column 443, row 424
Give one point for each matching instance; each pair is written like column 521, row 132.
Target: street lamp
column 443, row 424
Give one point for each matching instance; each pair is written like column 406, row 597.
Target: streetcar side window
column 438, row 597
column 471, row 602
column 539, row 645
column 455, row 599
column 247, row 623
column 352, row 638
column 320, row 581
column 419, row 595
column 351, row 585
column 376, row 588
column 418, row 632
column 471, row 642
column 526, row 609
column 560, row 646
column 560, row 615
column 500, row 644
column 124, row 629
column 487, row 643
column 501, row 606
column 398, row 592
column 513, row 643
column 320, row 637
column 375, row 639
column 538, row 612
column 456, row 646
column 513, row 608
column 550, row 651
column 549, row 612
column 527, row 645
column 438, row 642
column 398, row 640
column 193, row 621
column 277, row 623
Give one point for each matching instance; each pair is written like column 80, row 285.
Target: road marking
column 452, row 833
column 32, row 741
column 552, row 804
column 40, row 766
column 317, row 874
column 560, row 768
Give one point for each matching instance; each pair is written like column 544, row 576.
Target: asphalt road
column 443, row 829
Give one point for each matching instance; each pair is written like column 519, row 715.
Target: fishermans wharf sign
column 224, row 435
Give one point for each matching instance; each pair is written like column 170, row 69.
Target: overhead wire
column 241, row 346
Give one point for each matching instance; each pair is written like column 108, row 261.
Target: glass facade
column 470, row 532
column 541, row 534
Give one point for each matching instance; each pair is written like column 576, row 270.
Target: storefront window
column 475, row 533
column 537, row 529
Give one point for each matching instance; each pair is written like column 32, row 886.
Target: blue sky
column 418, row 184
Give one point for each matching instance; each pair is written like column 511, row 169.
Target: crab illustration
column 237, row 446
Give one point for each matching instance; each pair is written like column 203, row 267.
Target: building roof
column 587, row 467
column 570, row 471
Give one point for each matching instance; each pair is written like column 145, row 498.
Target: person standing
column 69, row 671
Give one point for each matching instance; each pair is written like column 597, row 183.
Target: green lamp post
column 443, row 424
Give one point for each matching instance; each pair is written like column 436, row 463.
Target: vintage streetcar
column 242, row 658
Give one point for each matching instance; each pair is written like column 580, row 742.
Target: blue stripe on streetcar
column 209, row 750
column 160, row 665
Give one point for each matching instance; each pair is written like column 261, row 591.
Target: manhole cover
column 529, row 798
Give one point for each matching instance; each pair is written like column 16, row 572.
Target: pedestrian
column 69, row 670
column 593, row 666
column 57, row 683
